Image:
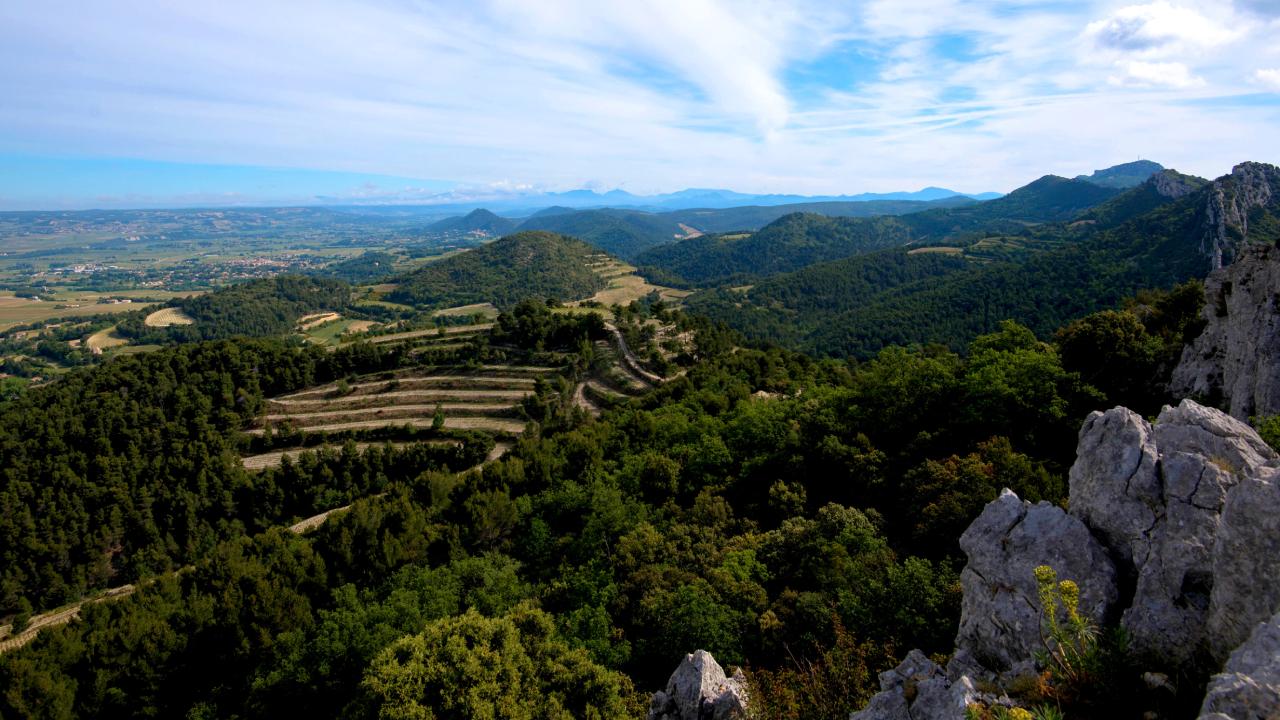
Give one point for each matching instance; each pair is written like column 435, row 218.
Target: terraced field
column 458, row 333
column 485, row 398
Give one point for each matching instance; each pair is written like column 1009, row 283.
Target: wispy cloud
column 760, row 95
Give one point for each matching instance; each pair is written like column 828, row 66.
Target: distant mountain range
column 526, row 205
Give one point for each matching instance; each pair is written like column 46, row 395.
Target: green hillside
column 477, row 221
column 797, row 241
column 504, row 272
column 624, row 233
column 1048, row 275
column 1124, row 176
column 257, row 308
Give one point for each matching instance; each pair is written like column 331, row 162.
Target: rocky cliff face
column 1236, row 359
column 1230, row 211
column 1174, row 533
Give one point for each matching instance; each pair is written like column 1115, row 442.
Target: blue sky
column 146, row 103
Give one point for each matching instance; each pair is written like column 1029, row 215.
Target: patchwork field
column 22, row 311
column 625, row 286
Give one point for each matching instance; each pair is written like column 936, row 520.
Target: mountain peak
column 1123, row 176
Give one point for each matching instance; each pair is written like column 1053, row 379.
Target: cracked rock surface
column 1237, row 356
column 1000, row 612
column 1174, row 528
column 1188, row 508
column 1248, row 688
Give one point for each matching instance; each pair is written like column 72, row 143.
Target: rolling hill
column 624, row 233
column 796, row 241
column 481, row 222
column 628, row 233
column 1123, row 176
column 1156, row 235
column 504, row 272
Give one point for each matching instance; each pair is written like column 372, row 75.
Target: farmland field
column 166, row 317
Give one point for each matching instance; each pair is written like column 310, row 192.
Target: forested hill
column 477, row 221
column 1123, row 176
column 796, row 241
column 628, row 233
column 257, row 308
column 624, row 233
column 1154, row 236
column 504, row 272
column 795, row 517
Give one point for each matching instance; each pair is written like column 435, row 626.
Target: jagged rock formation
column 1174, row 531
column 1173, row 184
column 1000, row 612
column 1237, row 357
column 1232, row 201
column 699, row 690
column 918, row 688
column 1248, row 688
column 1177, row 504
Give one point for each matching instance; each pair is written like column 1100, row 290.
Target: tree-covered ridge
column 368, row 267
column 1150, row 237
column 624, row 233
column 479, row 221
column 504, row 272
column 1123, row 176
column 797, row 241
column 257, row 308
column 628, row 233
column 787, row 244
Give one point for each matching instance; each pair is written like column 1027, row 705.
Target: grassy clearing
column 107, row 338
column 431, row 332
column 625, row 286
column 315, row 320
column 937, row 251
column 22, row 311
column 485, row 309
column 332, row 331
column 166, row 317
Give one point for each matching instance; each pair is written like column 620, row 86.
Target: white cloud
column 1158, row 29
column 1269, row 77
column 656, row 96
column 1163, row 74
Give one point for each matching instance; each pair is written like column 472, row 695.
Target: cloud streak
column 759, row 95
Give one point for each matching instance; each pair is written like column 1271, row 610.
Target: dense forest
column 1043, row 277
column 796, row 241
column 258, row 308
column 504, row 272
column 798, row 517
column 368, row 267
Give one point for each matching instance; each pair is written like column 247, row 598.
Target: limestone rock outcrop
column 1236, row 359
column 1186, row 508
column 918, row 688
column 1231, row 203
column 1174, row 531
column 1000, row 611
column 1248, row 688
column 700, row 690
